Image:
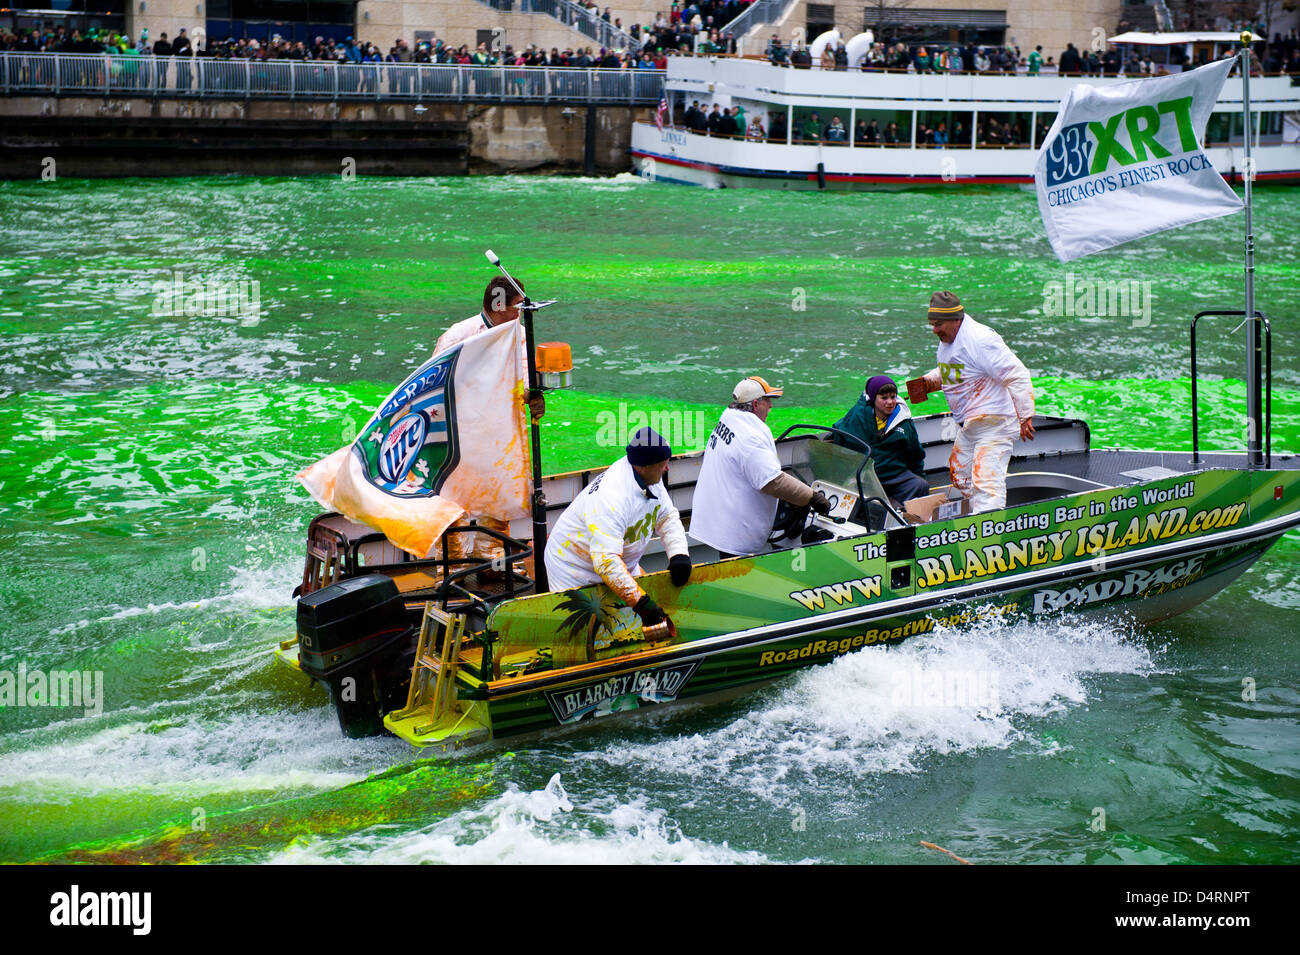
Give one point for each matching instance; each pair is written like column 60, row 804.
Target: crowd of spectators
column 1283, row 54
column 690, row 28
column 1280, row 56
column 1009, row 129
column 684, row 28
column 59, row 40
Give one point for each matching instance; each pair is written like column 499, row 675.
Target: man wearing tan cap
column 991, row 398
column 741, row 480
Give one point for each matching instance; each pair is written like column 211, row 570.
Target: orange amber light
column 554, row 356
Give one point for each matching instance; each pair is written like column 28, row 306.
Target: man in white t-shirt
column 991, row 398
column 602, row 535
column 500, row 305
column 741, row 480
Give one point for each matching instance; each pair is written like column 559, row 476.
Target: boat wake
column 891, row 710
column 193, row 757
column 543, row 827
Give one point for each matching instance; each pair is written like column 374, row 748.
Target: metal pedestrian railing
column 81, row 74
column 756, row 14
column 571, row 14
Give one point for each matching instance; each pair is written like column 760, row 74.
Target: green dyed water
column 150, row 528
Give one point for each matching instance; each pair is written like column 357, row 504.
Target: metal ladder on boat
column 433, row 714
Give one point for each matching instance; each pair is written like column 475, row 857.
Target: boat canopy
column 1173, row 39
column 1181, row 49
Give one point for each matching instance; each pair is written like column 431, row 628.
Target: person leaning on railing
column 162, row 47
column 715, row 122
column 778, row 129
column 183, row 51
column 777, row 55
column 695, row 119
column 812, row 129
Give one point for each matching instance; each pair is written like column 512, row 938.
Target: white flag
column 451, row 439
column 1124, row 161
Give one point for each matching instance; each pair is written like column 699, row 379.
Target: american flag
column 661, row 112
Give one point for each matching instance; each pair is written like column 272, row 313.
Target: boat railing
column 338, row 548
column 1021, row 71
column 1268, row 382
column 856, row 144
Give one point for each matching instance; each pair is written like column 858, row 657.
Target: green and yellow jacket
column 895, row 448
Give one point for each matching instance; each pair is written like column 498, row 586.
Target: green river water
column 151, row 529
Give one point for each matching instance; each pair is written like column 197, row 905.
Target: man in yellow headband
column 991, row 397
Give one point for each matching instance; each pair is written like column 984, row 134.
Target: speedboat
column 448, row 653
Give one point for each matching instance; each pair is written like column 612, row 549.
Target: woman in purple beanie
column 885, row 424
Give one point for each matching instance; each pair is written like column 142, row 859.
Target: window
column 1003, row 129
column 899, row 135
column 941, row 127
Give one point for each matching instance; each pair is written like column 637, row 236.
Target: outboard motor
column 354, row 637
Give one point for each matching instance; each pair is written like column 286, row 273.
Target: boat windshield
column 837, row 465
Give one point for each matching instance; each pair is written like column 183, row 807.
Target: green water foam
column 409, row 796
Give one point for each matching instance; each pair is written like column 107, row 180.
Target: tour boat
column 964, row 103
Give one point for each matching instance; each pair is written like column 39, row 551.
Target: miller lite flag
column 450, row 440
column 1125, row 161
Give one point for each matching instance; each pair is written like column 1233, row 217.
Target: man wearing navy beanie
column 601, row 536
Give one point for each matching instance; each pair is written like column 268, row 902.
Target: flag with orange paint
column 450, row 440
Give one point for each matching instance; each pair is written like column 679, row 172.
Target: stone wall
column 105, row 136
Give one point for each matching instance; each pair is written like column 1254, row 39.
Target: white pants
column 979, row 459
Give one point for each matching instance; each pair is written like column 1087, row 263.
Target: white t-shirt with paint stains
column 604, row 532
column 981, row 376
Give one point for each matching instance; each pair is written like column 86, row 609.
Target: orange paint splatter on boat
column 723, row 571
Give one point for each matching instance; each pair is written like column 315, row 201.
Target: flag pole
column 1254, row 407
column 540, row 583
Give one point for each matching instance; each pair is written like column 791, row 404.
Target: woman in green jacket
column 885, row 424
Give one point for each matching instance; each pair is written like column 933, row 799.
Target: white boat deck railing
column 825, row 144
column 755, row 79
column 79, row 74
column 853, row 142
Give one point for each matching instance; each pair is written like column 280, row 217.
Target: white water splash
column 245, row 752
column 542, row 828
column 883, row 710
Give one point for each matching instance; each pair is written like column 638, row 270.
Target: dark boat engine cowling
column 355, row 638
